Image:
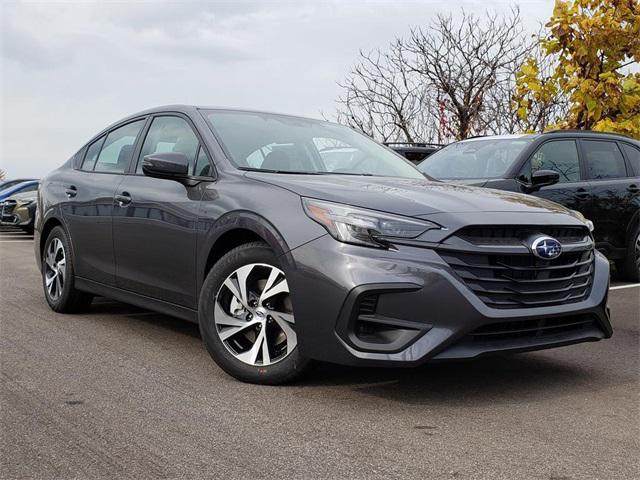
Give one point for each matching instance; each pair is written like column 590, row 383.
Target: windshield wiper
column 350, row 173
column 268, row 170
column 300, row 172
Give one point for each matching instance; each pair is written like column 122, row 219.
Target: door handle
column 123, row 200
column 71, row 191
column 633, row 188
column 582, row 194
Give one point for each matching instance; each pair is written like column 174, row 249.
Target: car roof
column 20, row 185
column 192, row 109
column 556, row 133
column 514, row 136
column 181, row 108
column 16, row 188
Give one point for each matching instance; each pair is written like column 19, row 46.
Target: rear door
column 155, row 222
column 88, row 205
column 560, row 155
column 615, row 191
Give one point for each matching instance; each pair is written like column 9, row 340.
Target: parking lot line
column 620, row 287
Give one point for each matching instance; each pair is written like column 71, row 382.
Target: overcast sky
column 69, row 69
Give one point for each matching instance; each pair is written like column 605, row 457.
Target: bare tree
column 385, row 99
column 467, row 59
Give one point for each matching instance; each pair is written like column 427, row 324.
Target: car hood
column 475, row 182
column 404, row 196
column 20, row 197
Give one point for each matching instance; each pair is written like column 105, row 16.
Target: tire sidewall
column 279, row 372
column 67, row 288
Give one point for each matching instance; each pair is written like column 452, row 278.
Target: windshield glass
column 279, row 143
column 488, row 158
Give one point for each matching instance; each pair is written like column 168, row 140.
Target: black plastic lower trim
column 371, row 332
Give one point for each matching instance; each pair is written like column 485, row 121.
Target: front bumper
column 17, row 215
column 427, row 310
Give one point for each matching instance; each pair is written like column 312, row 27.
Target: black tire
column 630, row 266
column 282, row 371
column 67, row 299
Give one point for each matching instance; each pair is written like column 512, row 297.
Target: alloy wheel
column 254, row 316
column 55, row 268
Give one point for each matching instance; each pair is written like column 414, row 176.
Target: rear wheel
column 246, row 317
column 58, row 275
column 630, row 266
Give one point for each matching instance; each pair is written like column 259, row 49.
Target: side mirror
column 543, row 178
column 169, row 165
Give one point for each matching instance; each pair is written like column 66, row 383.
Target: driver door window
column 170, row 134
column 560, row 156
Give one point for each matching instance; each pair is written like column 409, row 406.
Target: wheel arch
column 234, row 229
column 47, row 226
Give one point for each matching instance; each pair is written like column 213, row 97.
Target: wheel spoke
column 231, row 331
column 289, row 332
column 242, row 274
column 220, row 317
column 266, row 357
column 280, row 287
column 251, row 355
column 49, row 260
column 287, row 317
column 58, row 284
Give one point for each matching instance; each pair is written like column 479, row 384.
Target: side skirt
column 141, row 301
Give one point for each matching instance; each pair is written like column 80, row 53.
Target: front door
column 155, row 221
column 572, row 190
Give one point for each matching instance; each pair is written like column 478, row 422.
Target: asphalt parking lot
column 120, row 392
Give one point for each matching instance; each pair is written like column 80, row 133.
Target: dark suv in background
column 594, row 173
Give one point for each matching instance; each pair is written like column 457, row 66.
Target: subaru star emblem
column 546, row 248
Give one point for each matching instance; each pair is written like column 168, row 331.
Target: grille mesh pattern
column 523, row 280
column 505, row 235
column 8, row 206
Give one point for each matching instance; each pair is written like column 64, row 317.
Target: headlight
column 25, row 203
column 583, row 219
column 361, row 226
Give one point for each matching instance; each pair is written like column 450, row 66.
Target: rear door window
column 603, row 160
column 92, row 154
column 633, row 155
column 118, row 148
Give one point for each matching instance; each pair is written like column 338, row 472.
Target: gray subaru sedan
column 291, row 240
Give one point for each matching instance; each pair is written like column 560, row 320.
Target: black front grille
column 513, row 235
column 8, row 206
column 529, row 329
column 523, row 280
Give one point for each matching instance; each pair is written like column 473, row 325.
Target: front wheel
column 246, row 317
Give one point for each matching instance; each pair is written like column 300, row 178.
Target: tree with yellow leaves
column 596, row 48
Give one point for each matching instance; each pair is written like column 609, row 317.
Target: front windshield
column 483, row 158
column 279, row 143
